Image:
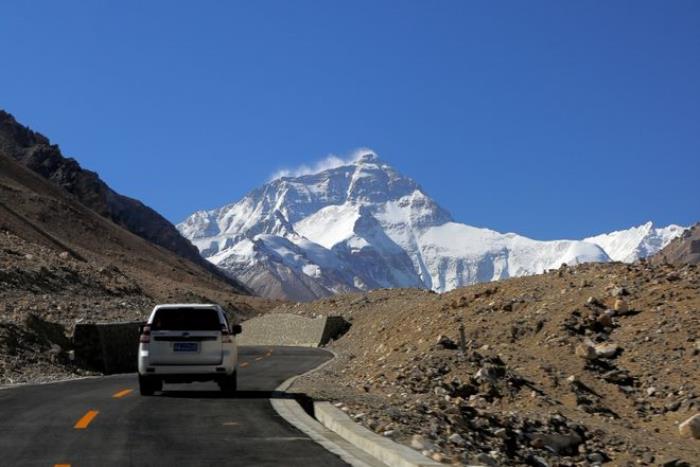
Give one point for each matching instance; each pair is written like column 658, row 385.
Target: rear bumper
column 227, row 366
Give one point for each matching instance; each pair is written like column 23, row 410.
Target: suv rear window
column 186, row 319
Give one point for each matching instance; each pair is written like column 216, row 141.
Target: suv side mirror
column 236, row 329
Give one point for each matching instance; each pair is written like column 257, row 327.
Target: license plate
column 185, row 347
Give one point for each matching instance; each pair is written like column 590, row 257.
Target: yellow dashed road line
column 61, row 465
column 244, row 364
column 123, row 393
column 85, row 420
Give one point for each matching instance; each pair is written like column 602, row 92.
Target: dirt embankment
column 44, row 291
column 61, row 261
column 580, row 366
column 73, row 249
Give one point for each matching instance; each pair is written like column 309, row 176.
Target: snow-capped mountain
column 362, row 225
column 635, row 243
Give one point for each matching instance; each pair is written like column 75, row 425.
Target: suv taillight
column 225, row 335
column 145, row 337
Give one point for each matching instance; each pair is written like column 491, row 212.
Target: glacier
column 637, row 242
column 359, row 225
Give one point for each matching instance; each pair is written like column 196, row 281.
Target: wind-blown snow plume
column 331, row 161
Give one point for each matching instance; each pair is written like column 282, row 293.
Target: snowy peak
column 369, row 157
column 359, row 224
column 637, row 242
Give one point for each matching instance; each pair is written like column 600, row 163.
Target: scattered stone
column 673, row 406
column 485, row 459
column 691, row 427
column 488, row 374
column 607, row 350
column 621, row 306
column 419, row 443
column 673, row 462
column 594, row 302
column 456, row 438
column 538, row 461
column 445, row 342
column 586, row 351
column 605, row 319
column 673, row 276
column 557, row 443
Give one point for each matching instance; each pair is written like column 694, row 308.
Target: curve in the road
column 104, row 422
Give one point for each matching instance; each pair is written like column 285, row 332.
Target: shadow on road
column 190, row 394
column 305, row 401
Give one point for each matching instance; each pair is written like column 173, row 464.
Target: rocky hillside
column 60, row 262
column 36, row 152
column 683, row 250
column 579, row 366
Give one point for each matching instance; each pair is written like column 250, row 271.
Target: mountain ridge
column 361, row 225
column 36, row 152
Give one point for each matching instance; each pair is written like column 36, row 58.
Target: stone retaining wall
column 113, row 347
column 107, row 347
column 289, row 329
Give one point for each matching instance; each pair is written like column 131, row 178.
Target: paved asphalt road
column 186, row 425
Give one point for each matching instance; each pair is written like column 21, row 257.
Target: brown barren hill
column 579, row 366
column 35, row 151
column 62, row 262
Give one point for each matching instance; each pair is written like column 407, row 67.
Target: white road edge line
column 294, row 414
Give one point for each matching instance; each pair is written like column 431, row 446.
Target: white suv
column 185, row 343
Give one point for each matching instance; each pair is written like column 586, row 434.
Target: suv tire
column 148, row 385
column 229, row 384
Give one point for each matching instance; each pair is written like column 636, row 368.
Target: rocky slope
column 60, row 262
column 36, row 152
column 579, row 366
column 362, row 226
column 682, row 250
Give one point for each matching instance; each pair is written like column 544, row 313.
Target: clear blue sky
column 554, row 119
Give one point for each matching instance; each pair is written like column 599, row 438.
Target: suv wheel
column 229, row 384
column 148, row 385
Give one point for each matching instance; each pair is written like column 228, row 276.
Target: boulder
column 557, row 443
column 621, row 306
column 456, row 438
column 421, row 444
column 606, row 350
column 605, row 320
column 691, row 427
column 586, row 351
column 445, row 342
